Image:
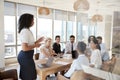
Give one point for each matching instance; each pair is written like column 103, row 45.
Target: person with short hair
column 71, row 45
column 56, row 45
column 81, row 60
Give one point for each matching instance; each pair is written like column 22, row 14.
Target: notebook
column 47, row 64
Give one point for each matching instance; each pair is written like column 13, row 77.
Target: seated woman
column 46, row 50
column 81, row 60
column 95, row 58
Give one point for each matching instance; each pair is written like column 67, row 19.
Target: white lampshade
column 81, row 5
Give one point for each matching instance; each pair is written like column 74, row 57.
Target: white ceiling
column 103, row 5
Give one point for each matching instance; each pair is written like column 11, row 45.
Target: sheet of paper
column 61, row 62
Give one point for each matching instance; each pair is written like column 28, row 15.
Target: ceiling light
column 43, row 10
column 81, row 5
column 97, row 18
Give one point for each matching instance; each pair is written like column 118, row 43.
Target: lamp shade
column 43, row 11
column 97, row 18
column 81, row 5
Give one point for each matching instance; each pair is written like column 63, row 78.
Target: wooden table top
column 59, row 64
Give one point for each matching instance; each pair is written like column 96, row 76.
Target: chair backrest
column 36, row 56
column 60, row 77
column 9, row 74
column 109, row 66
column 116, row 69
column 112, row 65
column 78, row 75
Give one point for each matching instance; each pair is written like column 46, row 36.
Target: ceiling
column 96, row 6
column 103, row 5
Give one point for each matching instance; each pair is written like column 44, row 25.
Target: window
column 10, row 30
column 71, row 25
column 10, row 36
column 44, row 27
column 71, row 29
column 85, row 27
column 60, row 19
column 58, row 22
column 60, row 29
column 12, row 41
column 92, row 28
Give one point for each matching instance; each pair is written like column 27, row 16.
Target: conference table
column 58, row 65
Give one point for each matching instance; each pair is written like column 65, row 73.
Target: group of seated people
column 93, row 54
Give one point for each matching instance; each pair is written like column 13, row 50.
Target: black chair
column 36, row 56
column 74, row 54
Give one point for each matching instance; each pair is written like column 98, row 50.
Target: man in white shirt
column 81, row 60
column 104, row 52
column 71, row 45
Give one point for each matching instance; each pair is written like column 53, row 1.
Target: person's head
column 72, row 38
column 81, row 47
column 48, row 42
column 99, row 38
column 57, row 39
column 25, row 21
column 94, row 44
column 91, row 38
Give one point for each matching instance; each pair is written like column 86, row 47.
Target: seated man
column 81, row 60
column 71, row 45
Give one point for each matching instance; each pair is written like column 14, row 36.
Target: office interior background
column 63, row 20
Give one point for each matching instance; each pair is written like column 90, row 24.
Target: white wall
column 104, row 29
column 100, row 29
column 2, row 63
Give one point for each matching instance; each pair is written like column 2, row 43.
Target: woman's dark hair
column 81, row 46
column 90, row 38
column 95, row 41
column 25, row 21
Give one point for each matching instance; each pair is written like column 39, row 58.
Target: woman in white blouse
column 25, row 57
column 95, row 58
column 81, row 60
column 46, row 50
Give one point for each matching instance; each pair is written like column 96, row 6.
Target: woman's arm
column 52, row 52
column 43, row 51
column 26, row 47
column 39, row 40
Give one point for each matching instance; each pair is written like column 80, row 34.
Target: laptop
column 47, row 64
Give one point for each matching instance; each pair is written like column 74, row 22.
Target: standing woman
column 25, row 57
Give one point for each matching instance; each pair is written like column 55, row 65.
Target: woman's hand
column 40, row 39
column 37, row 45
